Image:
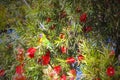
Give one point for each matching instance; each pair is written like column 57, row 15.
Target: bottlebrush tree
column 56, row 40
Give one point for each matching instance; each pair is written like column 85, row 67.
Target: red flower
column 57, row 69
column 48, row 20
column 19, row 77
column 73, row 71
column 87, row 29
column 63, row 49
column 31, row 51
column 2, row 72
column 70, row 60
column 80, row 57
column 110, row 71
column 63, row 77
column 83, row 17
column 19, row 69
column 46, row 58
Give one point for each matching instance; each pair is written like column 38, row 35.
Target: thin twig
column 26, row 4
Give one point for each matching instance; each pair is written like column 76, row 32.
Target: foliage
column 50, row 26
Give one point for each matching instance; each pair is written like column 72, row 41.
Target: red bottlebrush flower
column 19, row 69
column 31, row 51
column 110, row 71
column 63, row 77
column 19, row 77
column 80, row 57
column 45, row 59
column 48, row 20
column 73, row 71
column 70, row 60
column 87, row 29
column 57, row 69
column 2, row 72
column 83, row 17
column 63, row 49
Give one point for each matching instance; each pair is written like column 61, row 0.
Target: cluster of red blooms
column 45, row 59
column 70, row 60
column 19, row 75
column 83, row 19
column 57, row 69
